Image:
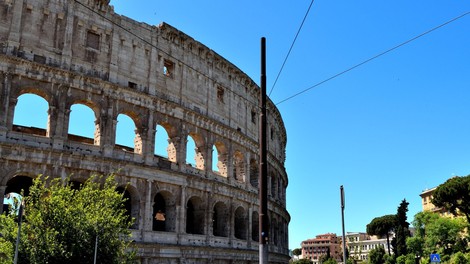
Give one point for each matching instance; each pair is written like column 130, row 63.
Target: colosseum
column 79, row 52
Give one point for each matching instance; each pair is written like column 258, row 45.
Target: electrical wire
column 291, row 46
column 373, row 58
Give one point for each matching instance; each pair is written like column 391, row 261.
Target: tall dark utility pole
column 263, row 167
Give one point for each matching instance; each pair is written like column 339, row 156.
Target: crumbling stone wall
column 81, row 52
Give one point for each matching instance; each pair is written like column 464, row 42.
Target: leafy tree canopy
column 297, row 251
column 62, row 223
column 382, row 226
column 454, row 195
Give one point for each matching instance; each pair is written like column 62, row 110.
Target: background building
column 313, row 249
column 360, row 244
column 69, row 53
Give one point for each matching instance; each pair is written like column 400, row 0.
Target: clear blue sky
column 386, row 130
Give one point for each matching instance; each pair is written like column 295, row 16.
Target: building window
column 93, row 40
column 253, row 116
column 220, row 94
column 168, row 68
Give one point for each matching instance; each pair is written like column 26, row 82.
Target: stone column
column 181, row 214
column 5, row 86
column 107, row 128
column 2, row 196
column 68, row 36
column 148, row 143
column 148, row 208
column 15, row 27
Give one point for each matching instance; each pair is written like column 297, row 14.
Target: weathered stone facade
column 81, row 52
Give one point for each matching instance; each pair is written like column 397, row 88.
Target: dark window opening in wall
column 168, row 68
column 253, row 116
column 132, row 85
column 39, row 59
column 220, row 94
column 272, row 134
column 93, row 40
column 159, row 213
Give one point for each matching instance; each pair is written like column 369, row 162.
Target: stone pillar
column 5, row 86
column 148, row 143
column 115, row 46
column 15, row 27
column 208, row 226
column 107, row 128
column 2, row 196
column 181, row 214
column 250, row 225
column 68, row 36
column 148, row 208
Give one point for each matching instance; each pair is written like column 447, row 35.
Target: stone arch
column 27, row 127
column 82, row 137
column 199, row 155
column 220, row 220
column 164, row 212
column 131, row 203
column 172, row 143
column 195, row 216
column 137, row 141
column 240, row 223
column 239, row 166
column 254, row 173
column 274, row 231
column 255, row 226
column 16, row 188
column 219, row 158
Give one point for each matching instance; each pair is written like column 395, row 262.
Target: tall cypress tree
column 401, row 230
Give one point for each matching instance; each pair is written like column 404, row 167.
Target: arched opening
column 31, row 120
column 126, row 136
column 254, row 168
column 220, row 223
column 164, row 212
column 82, row 126
column 159, row 213
column 194, row 153
column 219, row 158
column 161, row 142
column 126, row 195
column 191, row 151
column 255, row 226
column 215, row 159
column 195, row 216
column 274, row 232
column 239, row 166
column 17, row 188
column 240, row 223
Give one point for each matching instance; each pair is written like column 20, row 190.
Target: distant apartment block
column 428, row 206
column 360, row 244
column 314, row 249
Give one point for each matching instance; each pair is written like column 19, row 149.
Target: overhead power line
column 373, row 58
column 291, row 46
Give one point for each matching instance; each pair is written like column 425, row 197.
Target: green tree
column 459, row 258
column 402, row 231
column 297, row 252
column 382, row 226
column 377, row 256
column 454, row 195
column 443, row 234
column 63, row 223
column 7, row 236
